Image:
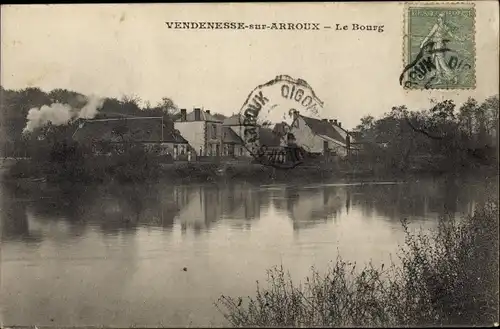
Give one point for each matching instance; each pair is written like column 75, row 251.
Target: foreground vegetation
column 449, row 277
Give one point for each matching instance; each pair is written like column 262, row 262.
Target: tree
column 168, row 106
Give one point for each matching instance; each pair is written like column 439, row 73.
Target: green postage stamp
column 439, row 46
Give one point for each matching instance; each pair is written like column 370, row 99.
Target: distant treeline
column 443, row 138
column 15, row 105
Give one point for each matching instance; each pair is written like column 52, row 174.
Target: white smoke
column 92, row 107
column 61, row 114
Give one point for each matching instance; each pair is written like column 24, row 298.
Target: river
column 114, row 255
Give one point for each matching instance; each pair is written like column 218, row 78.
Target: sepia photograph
column 280, row 164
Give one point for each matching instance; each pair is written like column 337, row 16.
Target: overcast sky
column 112, row 50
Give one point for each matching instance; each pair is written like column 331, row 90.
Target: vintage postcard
column 249, row 164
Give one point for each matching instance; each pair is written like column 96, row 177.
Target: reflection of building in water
column 311, row 206
column 240, row 205
column 204, row 205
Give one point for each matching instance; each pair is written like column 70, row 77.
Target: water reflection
column 307, row 207
column 113, row 254
column 116, row 209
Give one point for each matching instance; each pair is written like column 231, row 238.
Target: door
column 176, row 151
column 217, row 149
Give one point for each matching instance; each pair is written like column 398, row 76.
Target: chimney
column 208, row 111
column 335, row 122
column 340, row 124
column 294, row 114
column 197, row 114
column 183, row 115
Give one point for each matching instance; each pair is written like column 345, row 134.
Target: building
column 148, row 131
column 324, row 136
column 202, row 131
column 234, row 136
column 269, row 138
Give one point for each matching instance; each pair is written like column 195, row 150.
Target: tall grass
column 447, row 277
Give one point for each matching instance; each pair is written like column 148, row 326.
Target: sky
column 113, row 50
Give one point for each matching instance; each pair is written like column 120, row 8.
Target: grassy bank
column 140, row 167
column 449, row 277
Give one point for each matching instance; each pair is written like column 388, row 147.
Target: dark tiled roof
column 320, row 127
column 137, row 130
column 230, row 137
column 268, row 137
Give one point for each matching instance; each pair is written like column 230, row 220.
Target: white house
column 202, row 131
column 319, row 136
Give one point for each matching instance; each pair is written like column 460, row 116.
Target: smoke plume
column 61, row 114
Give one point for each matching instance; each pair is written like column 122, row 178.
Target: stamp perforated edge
column 406, row 38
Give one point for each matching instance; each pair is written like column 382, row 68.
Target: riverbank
column 102, row 170
column 448, row 277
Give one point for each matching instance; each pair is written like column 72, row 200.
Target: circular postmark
column 269, row 121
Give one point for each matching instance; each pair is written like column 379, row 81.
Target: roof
column 204, row 116
column 136, row 130
column 324, row 128
column 280, row 129
column 235, row 120
column 268, row 137
column 229, row 136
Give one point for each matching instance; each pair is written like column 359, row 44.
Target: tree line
column 445, row 137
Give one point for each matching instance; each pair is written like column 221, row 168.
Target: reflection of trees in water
column 123, row 208
column 112, row 208
column 444, row 197
column 13, row 219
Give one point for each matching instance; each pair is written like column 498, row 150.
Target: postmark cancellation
column 439, row 46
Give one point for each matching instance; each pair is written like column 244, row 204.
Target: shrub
column 448, row 277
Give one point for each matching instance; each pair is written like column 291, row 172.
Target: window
column 241, row 151
column 176, row 151
column 214, row 131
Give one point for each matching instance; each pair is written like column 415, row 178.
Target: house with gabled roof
column 321, row 136
column 202, row 130
column 148, row 131
column 234, row 136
